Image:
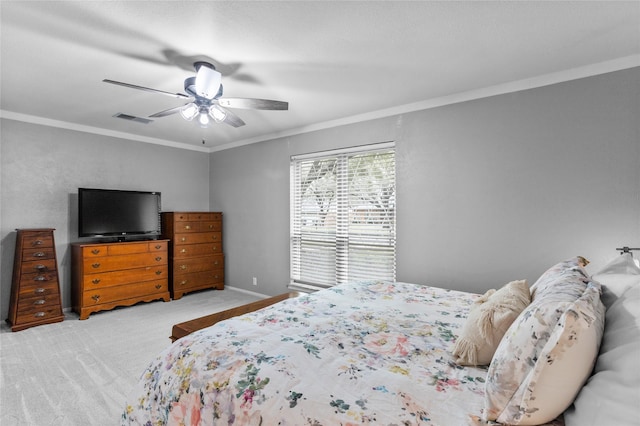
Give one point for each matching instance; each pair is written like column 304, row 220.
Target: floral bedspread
column 360, row 353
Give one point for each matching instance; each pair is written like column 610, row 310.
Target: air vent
column 133, row 118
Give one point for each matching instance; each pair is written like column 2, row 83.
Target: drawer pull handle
column 40, row 267
column 183, row 267
column 96, row 280
column 158, row 259
column 39, row 254
column 183, row 251
column 40, row 278
column 39, row 290
column 183, row 239
column 95, row 251
column 95, row 297
column 210, row 226
column 183, row 282
column 215, row 263
column 38, row 242
column 187, row 227
column 158, row 286
column 158, row 246
column 95, row 265
column 39, row 302
column 39, row 314
column 158, row 272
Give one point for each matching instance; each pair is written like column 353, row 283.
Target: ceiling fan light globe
column 203, row 119
column 189, row 111
column 217, row 113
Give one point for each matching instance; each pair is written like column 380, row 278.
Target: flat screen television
column 118, row 213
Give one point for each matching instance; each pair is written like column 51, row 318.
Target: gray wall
column 489, row 191
column 42, row 168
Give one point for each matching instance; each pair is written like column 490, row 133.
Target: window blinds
column 343, row 217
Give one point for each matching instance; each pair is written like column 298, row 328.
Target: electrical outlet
column 255, row 281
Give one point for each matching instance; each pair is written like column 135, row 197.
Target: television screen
column 107, row 212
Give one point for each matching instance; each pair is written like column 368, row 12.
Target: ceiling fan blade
column 247, row 103
column 168, row 111
column 147, row 89
column 233, row 120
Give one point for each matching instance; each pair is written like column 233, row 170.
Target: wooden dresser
column 196, row 260
column 106, row 275
column 35, row 289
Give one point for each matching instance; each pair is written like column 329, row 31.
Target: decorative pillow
column 616, row 277
column 567, row 277
column 488, row 320
column 549, row 350
column 611, row 396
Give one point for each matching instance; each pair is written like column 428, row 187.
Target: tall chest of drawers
column 35, row 289
column 106, row 275
column 196, row 260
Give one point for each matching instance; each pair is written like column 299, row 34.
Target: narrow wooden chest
column 35, row 288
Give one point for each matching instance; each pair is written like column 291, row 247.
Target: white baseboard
column 241, row 290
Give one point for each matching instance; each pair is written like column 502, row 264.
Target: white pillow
column 548, row 352
column 612, row 394
column 488, row 320
column 616, row 277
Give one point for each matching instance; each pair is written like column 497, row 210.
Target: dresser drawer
column 40, row 289
column 113, row 294
column 198, row 238
column 211, row 226
column 197, row 226
column 30, row 304
column 38, row 239
column 37, row 266
column 36, row 279
column 134, row 248
column 40, row 253
column 196, row 216
column 198, row 264
column 184, row 282
column 156, row 246
column 42, row 313
column 94, row 251
column 113, row 263
column 192, row 250
column 187, row 226
column 126, row 276
column 127, row 248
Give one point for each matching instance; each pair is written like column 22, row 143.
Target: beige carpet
column 79, row 372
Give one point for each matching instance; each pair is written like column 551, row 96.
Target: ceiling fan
column 205, row 94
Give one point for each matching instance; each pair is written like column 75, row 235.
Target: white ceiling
column 334, row 62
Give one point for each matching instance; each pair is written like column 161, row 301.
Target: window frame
column 384, row 246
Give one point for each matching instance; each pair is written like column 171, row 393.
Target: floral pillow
column 488, row 320
column 549, row 351
column 566, row 280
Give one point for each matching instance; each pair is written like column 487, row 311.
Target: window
column 343, row 225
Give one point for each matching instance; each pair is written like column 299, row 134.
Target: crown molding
column 619, row 64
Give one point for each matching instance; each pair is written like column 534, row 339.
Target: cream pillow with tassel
column 488, row 321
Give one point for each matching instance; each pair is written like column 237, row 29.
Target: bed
column 389, row 353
